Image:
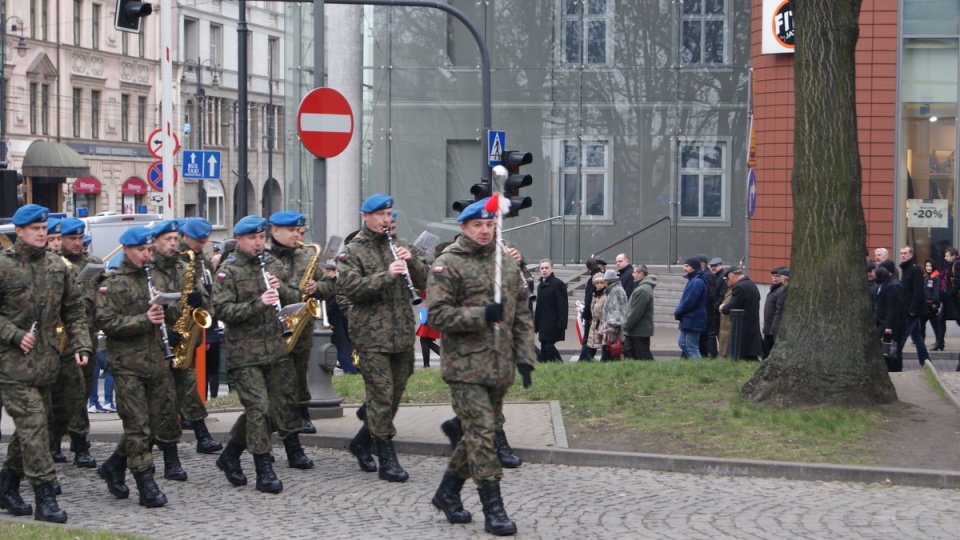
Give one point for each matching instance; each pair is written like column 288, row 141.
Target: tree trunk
column 828, row 349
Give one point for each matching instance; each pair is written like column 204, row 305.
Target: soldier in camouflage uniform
column 36, row 292
column 259, row 365
column 462, row 307
column 286, row 231
column 145, row 395
column 69, row 406
column 168, row 276
column 382, row 326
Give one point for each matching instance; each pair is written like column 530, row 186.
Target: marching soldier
column 262, row 372
column 145, row 394
column 54, row 238
column 36, row 292
column 168, row 276
column 382, row 327
column 462, row 308
column 73, row 419
column 286, row 231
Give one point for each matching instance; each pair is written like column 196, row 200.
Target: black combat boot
column 80, row 447
column 10, row 499
column 295, row 456
column 57, row 453
column 172, row 470
column 205, row 443
column 453, row 429
column 495, row 519
column 229, row 463
column 150, row 494
column 308, row 426
column 447, row 498
column 57, row 490
column 508, row 459
column 267, row 480
column 185, row 425
column 46, row 503
column 360, row 448
column 390, row 469
column 114, row 471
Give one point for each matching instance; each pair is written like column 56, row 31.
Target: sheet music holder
column 165, row 299
column 425, row 243
column 333, row 247
column 89, row 272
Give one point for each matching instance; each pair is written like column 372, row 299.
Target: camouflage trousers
column 188, row 395
column 301, row 363
column 479, row 408
column 385, row 378
column 28, row 454
column 67, row 399
column 80, row 420
column 148, row 408
column 268, row 405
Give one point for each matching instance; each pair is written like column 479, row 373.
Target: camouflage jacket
column 88, row 289
column 461, row 285
column 168, row 277
column 253, row 333
column 295, row 261
column 30, row 277
column 134, row 344
column 381, row 316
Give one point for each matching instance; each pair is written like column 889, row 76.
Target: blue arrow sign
column 202, row 164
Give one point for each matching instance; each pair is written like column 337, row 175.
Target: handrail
column 641, row 231
column 532, row 224
column 563, row 233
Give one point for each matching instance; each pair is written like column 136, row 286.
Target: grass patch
column 934, row 383
column 27, row 531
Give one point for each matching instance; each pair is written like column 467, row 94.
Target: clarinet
column 266, row 279
column 167, row 352
column 414, row 297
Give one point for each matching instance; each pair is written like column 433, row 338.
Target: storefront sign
column 86, row 184
column 778, row 30
column 134, row 186
column 930, row 213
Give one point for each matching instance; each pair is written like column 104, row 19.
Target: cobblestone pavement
column 336, row 500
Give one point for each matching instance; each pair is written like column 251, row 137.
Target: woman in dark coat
column 550, row 317
column 890, row 315
column 746, row 296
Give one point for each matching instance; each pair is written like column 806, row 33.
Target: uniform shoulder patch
column 437, row 269
column 342, row 256
column 221, row 275
column 102, row 289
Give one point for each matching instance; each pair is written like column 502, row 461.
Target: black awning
column 52, row 159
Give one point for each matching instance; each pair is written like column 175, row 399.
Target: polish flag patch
column 437, row 269
column 102, row 289
column 221, row 275
column 342, row 256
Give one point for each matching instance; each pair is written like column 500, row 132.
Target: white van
column 105, row 228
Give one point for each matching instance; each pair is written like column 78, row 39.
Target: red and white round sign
column 325, row 122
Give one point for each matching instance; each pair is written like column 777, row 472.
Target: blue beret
column 180, row 222
column 165, row 227
column 72, row 225
column 250, row 225
column 393, row 217
column 87, row 239
column 288, row 218
column 137, row 236
column 31, row 213
column 377, row 202
column 196, row 228
column 476, row 211
column 53, row 226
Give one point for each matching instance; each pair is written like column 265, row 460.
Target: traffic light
column 479, row 191
column 512, row 160
column 9, row 201
column 129, row 14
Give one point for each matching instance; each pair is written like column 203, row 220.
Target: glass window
column 45, row 109
column 94, row 114
column 95, row 27
column 702, row 180
column 44, row 19
column 124, row 117
column 34, row 90
column 586, row 174
column 703, row 34
column 216, row 43
column 124, row 43
column 141, row 119
column 77, row 21
column 931, row 18
column 34, row 19
column 215, row 207
column 77, row 107
column 586, row 32
column 85, row 200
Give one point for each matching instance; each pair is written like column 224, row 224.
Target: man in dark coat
column 890, row 321
column 911, row 277
column 714, row 277
column 773, row 307
column 550, row 317
column 691, row 312
column 592, row 268
column 745, row 296
column 625, row 271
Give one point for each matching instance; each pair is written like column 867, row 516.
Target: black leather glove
column 526, row 372
column 174, row 338
column 493, row 313
column 678, row 317
column 195, row 299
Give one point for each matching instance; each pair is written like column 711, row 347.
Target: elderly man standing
column 550, row 318
column 638, row 328
column 691, row 312
column 746, row 296
column 773, row 307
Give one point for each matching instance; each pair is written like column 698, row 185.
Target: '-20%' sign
column 927, row 213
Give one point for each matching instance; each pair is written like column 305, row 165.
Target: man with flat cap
column 146, row 396
column 257, row 360
column 286, row 238
column 382, row 327
column 462, row 308
column 773, row 307
column 37, row 291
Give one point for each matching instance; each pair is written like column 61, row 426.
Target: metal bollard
column 324, row 401
column 736, row 331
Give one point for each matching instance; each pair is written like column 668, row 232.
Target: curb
column 953, row 399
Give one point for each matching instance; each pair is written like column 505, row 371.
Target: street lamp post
column 21, row 51
column 198, row 65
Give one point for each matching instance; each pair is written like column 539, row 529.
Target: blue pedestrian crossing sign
column 495, row 145
column 201, row 164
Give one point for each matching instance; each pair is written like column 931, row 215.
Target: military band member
column 54, row 238
column 286, row 231
column 262, row 372
column 168, row 276
column 73, row 419
column 37, row 291
column 145, row 394
column 382, row 328
column 462, row 308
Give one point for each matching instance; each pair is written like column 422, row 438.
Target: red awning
column 87, row 184
column 134, row 186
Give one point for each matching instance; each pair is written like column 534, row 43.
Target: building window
column 215, row 208
column 44, row 109
column 142, row 41
column 273, row 57
column 704, row 32
column 216, row 43
column 77, row 102
column 34, row 90
column 44, row 19
column 124, row 44
column 703, row 174
column 95, row 27
column 124, row 117
column 94, row 114
column 587, row 29
column 77, row 21
column 212, row 116
column 34, row 19
column 585, row 176
column 141, row 118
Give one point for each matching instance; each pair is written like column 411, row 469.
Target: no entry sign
column 325, row 122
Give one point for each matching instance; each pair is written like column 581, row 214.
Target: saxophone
column 311, row 308
column 191, row 322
